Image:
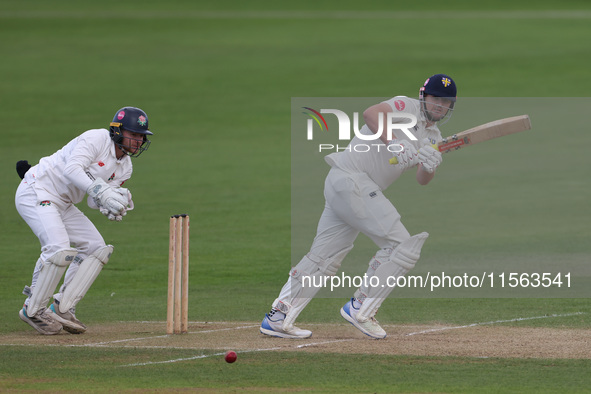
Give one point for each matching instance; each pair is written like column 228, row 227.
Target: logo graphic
column 142, row 120
column 111, row 177
column 393, row 122
column 399, row 104
column 101, row 164
column 45, row 203
column 121, row 115
column 446, row 82
column 315, row 115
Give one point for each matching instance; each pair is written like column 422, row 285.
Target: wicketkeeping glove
column 119, row 217
column 111, row 216
column 108, row 198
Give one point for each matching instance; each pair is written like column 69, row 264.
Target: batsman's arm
column 371, row 116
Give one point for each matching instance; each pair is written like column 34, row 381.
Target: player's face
column 437, row 107
column 132, row 141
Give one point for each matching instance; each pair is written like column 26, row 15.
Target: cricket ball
column 231, row 356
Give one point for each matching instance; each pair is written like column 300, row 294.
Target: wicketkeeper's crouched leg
column 80, row 277
column 45, row 279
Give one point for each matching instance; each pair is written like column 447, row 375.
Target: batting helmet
column 440, row 85
column 131, row 119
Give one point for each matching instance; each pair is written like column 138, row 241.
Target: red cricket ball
column 231, row 356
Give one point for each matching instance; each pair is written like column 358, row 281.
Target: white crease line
column 323, row 343
column 201, row 356
column 123, row 340
column 166, row 336
column 223, row 329
column 196, row 357
column 493, row 322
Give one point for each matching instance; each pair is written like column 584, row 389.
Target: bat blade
column 484, row 132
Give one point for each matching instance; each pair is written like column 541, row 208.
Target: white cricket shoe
column 68, row 319
column 369, row 326
column 275, row 328
column 43, row 321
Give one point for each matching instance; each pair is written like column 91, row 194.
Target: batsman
column 97, row 163
column 355, row 203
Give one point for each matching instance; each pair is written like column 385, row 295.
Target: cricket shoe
column 368, row 326
column 275, row 328
column 67, row 319
column 43, row 321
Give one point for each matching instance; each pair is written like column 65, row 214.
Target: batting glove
column 430, row 158
column 408, row 155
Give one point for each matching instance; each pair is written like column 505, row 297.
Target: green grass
column 284, row 371
column 216, row 79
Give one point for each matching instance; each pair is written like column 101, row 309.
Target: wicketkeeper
column 96, row 163
column 355, row 203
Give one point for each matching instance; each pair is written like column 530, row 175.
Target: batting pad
column 89, row 269
column 402, row 260
column 49, row 276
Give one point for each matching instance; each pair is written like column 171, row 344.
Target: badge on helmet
column 131, row 119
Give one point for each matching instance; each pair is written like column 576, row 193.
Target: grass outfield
column 216, row 79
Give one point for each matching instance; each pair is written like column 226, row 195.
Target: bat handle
column 394, row 160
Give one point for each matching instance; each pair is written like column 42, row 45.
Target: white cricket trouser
column 354, row 204
column 58, row 226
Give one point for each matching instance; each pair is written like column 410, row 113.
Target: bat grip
column 394, row 160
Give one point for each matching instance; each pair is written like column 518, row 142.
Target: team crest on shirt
column 45, row 203
column 101, row 164
column 111, row 177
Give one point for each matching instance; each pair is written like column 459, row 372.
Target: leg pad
column 49, row 276
column 89, row 269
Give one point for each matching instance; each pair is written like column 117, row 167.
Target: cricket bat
column 484, row 132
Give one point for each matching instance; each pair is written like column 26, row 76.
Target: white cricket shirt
column 64, row 175
column 372, row 157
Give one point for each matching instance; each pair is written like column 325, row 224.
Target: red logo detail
column 121, row 115
column 399, row 104
column 100, row 163
column 122, row 183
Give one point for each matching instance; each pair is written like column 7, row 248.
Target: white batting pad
column 89, row 269
column 49, row 276
column 402, row 259
column 294, row 297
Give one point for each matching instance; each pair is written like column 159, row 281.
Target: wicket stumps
column 177, row 319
